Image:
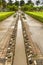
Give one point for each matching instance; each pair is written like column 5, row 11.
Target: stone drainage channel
column 11, row 47
column 28, row 48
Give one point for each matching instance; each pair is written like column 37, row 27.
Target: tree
column 10, row 2
column 3, row 3
column 27, row 8
column 17, row 3
column 22, row 2
column 0, row 2
column 0, row 5
column 37, row 2
column 12, row 8
column 30, row 2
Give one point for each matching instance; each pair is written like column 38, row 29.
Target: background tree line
column 14, row 6
column 9, row 6
column 29, row 6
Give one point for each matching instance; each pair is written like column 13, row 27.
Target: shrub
column 12, row 8
column 36, row 15
column 4, row 15
column 31, row 8
column 27, row 8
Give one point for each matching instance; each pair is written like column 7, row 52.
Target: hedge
column 36, row 15
column 4, row 15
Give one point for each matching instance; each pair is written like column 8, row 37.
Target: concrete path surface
column 5, row 30
column 20, row 57
column 4, row 26
column 36, row 30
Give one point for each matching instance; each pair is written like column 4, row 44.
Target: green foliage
column 31, row 8
column 10, row 2
column 4, row 15
column 27, row 7
column 12, row 8
column 0, row 2
column 36, row 15
column 3, row 3
column 22, row 2
column 17, row 3
column 38, row 8
column 30, row 2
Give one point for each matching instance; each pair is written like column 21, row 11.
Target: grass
column 4, row 15
column 36, row 15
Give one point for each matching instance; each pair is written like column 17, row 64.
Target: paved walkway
column 36, row 30
column 20, row 57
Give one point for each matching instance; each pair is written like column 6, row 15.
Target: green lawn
column 4, row 15
column 36, row 15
